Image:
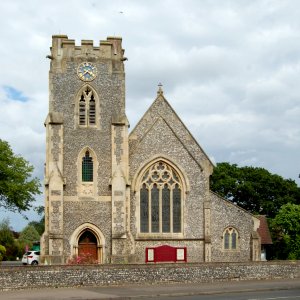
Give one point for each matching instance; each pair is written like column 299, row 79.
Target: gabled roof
column 161, row 108
column 264, row 231
column 232, row 204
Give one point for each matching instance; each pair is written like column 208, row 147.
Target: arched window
column 87, row 167
column 87, row 108
column 160, row 200
column 230, row 237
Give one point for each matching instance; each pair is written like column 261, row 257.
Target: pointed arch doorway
column 88, row 239
column 87, row 245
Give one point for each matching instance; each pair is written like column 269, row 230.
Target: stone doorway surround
column 80, row 246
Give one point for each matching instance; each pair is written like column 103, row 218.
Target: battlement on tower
column 64, row 48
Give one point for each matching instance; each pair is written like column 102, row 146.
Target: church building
column 120, row 197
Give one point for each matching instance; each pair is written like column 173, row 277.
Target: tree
column 17, row 188
column 39, row 225
column 254, row 189
column 7, row 240
column 286, row 225
column 6, row 235
column 29, row 235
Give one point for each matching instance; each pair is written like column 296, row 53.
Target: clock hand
column 90, row 72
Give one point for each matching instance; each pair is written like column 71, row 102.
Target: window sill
column 88, row 127
column 159, row 236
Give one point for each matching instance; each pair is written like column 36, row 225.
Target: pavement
column 151, row 291
column 11, row 263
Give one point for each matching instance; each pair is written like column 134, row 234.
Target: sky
column 230, row 69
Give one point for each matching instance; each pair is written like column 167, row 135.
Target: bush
column 7, row 240
column 84, row 259
column 2, row 252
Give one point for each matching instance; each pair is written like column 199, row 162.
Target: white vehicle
column 31, row 258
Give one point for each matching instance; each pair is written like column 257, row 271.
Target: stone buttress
column 120, row 190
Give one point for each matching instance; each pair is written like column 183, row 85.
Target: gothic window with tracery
column 87, row 108
column 160, row 200
column 230, row 237
column 87, row 168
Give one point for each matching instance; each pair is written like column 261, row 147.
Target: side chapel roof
column 264, row 231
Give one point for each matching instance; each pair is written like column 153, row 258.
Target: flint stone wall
column 27, row 277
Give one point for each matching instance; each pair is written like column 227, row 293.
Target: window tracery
column 160, row 200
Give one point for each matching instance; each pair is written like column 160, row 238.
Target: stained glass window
column 233, row 240
column 230, row 239
column 161, row 200
column 166, row 209
column 144, row 209
column 154, row 209
column 87, row 167
column 226, row 240
column 176, row 209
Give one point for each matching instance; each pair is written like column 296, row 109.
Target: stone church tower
column 127, row 198
column 86, row 175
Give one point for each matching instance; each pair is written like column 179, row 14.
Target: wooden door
column 87, row 247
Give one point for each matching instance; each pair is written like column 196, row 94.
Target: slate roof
column 264, row 231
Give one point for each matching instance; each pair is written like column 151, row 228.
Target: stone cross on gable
column 160, row 91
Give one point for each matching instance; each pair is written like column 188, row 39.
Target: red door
column 87, row 247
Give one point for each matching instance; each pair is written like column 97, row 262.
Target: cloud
column 230, row 69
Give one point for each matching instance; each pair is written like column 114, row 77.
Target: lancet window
column 160, row 200
column 87, row 167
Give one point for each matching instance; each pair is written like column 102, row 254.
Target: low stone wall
column 25, row 277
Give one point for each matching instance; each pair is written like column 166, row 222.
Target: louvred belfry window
column 87, row 167
column 82, row 116
column 160, row 200
column 92, row 111
column 87, row 108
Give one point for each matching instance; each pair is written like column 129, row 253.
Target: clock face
column 87, row 71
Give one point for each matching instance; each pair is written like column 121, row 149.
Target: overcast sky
column 230, row 69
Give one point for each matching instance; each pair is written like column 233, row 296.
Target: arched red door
column 87, row 246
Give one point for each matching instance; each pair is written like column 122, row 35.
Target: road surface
column 234, row 290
